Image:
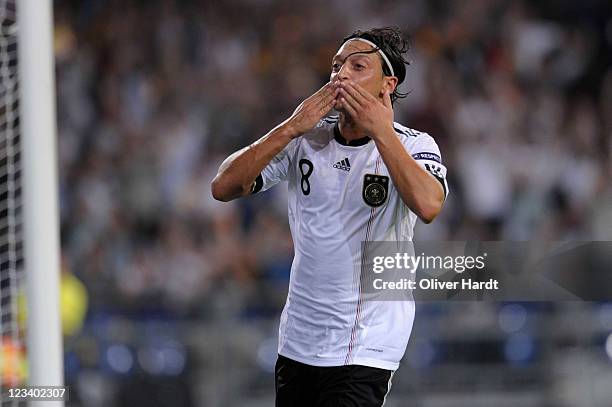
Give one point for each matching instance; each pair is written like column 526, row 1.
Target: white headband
column 376, row 47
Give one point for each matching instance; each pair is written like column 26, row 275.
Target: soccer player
column 355, row 177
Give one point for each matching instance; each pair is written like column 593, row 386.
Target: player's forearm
column 419, row 190
column 238, row 172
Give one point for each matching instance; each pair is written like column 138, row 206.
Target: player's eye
column 359, row 66
column 336, row 67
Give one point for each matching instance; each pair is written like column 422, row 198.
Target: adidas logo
column 343, row 165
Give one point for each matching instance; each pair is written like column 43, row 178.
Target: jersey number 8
column 304, row 183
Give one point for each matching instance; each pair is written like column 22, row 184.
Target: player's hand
column 313, row 109
column 367, row 111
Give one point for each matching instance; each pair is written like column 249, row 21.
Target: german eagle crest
column 375, row 189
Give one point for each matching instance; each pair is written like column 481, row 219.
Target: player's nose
column 343, row 73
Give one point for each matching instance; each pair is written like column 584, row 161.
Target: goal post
column 40, row 193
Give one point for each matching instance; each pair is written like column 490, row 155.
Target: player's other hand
column 369, row 112
column 313, row 109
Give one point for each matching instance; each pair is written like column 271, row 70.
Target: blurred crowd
column 153, row 95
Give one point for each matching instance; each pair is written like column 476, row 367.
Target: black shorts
column 301, row 385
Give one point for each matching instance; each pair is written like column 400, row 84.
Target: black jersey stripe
column 405, row 132
column 443, row 182
column 257, row 185
column 330, row 119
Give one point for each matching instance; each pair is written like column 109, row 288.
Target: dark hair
column 392, row 42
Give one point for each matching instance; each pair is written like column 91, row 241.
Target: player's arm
column 419, row 190
column 237, row 174
column 423, row 193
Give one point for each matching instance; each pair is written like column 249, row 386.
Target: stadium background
column 181, row 294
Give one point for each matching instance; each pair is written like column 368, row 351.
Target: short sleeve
column 426, row 153
column 276, row 171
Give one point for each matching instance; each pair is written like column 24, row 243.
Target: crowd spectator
column 153, row 94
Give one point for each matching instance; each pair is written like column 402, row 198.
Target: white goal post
column 40, row 193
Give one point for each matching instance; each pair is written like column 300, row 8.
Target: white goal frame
column 40, row 194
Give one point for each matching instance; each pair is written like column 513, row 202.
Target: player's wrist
column 383, row 132
column 288, row 130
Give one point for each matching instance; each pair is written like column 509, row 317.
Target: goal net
column 12, row 340
column 30, row 343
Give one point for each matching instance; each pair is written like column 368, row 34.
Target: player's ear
column 389, row 84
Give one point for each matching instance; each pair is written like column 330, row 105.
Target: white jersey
column 341, row 194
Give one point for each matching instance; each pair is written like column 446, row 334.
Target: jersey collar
column 352, row 143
